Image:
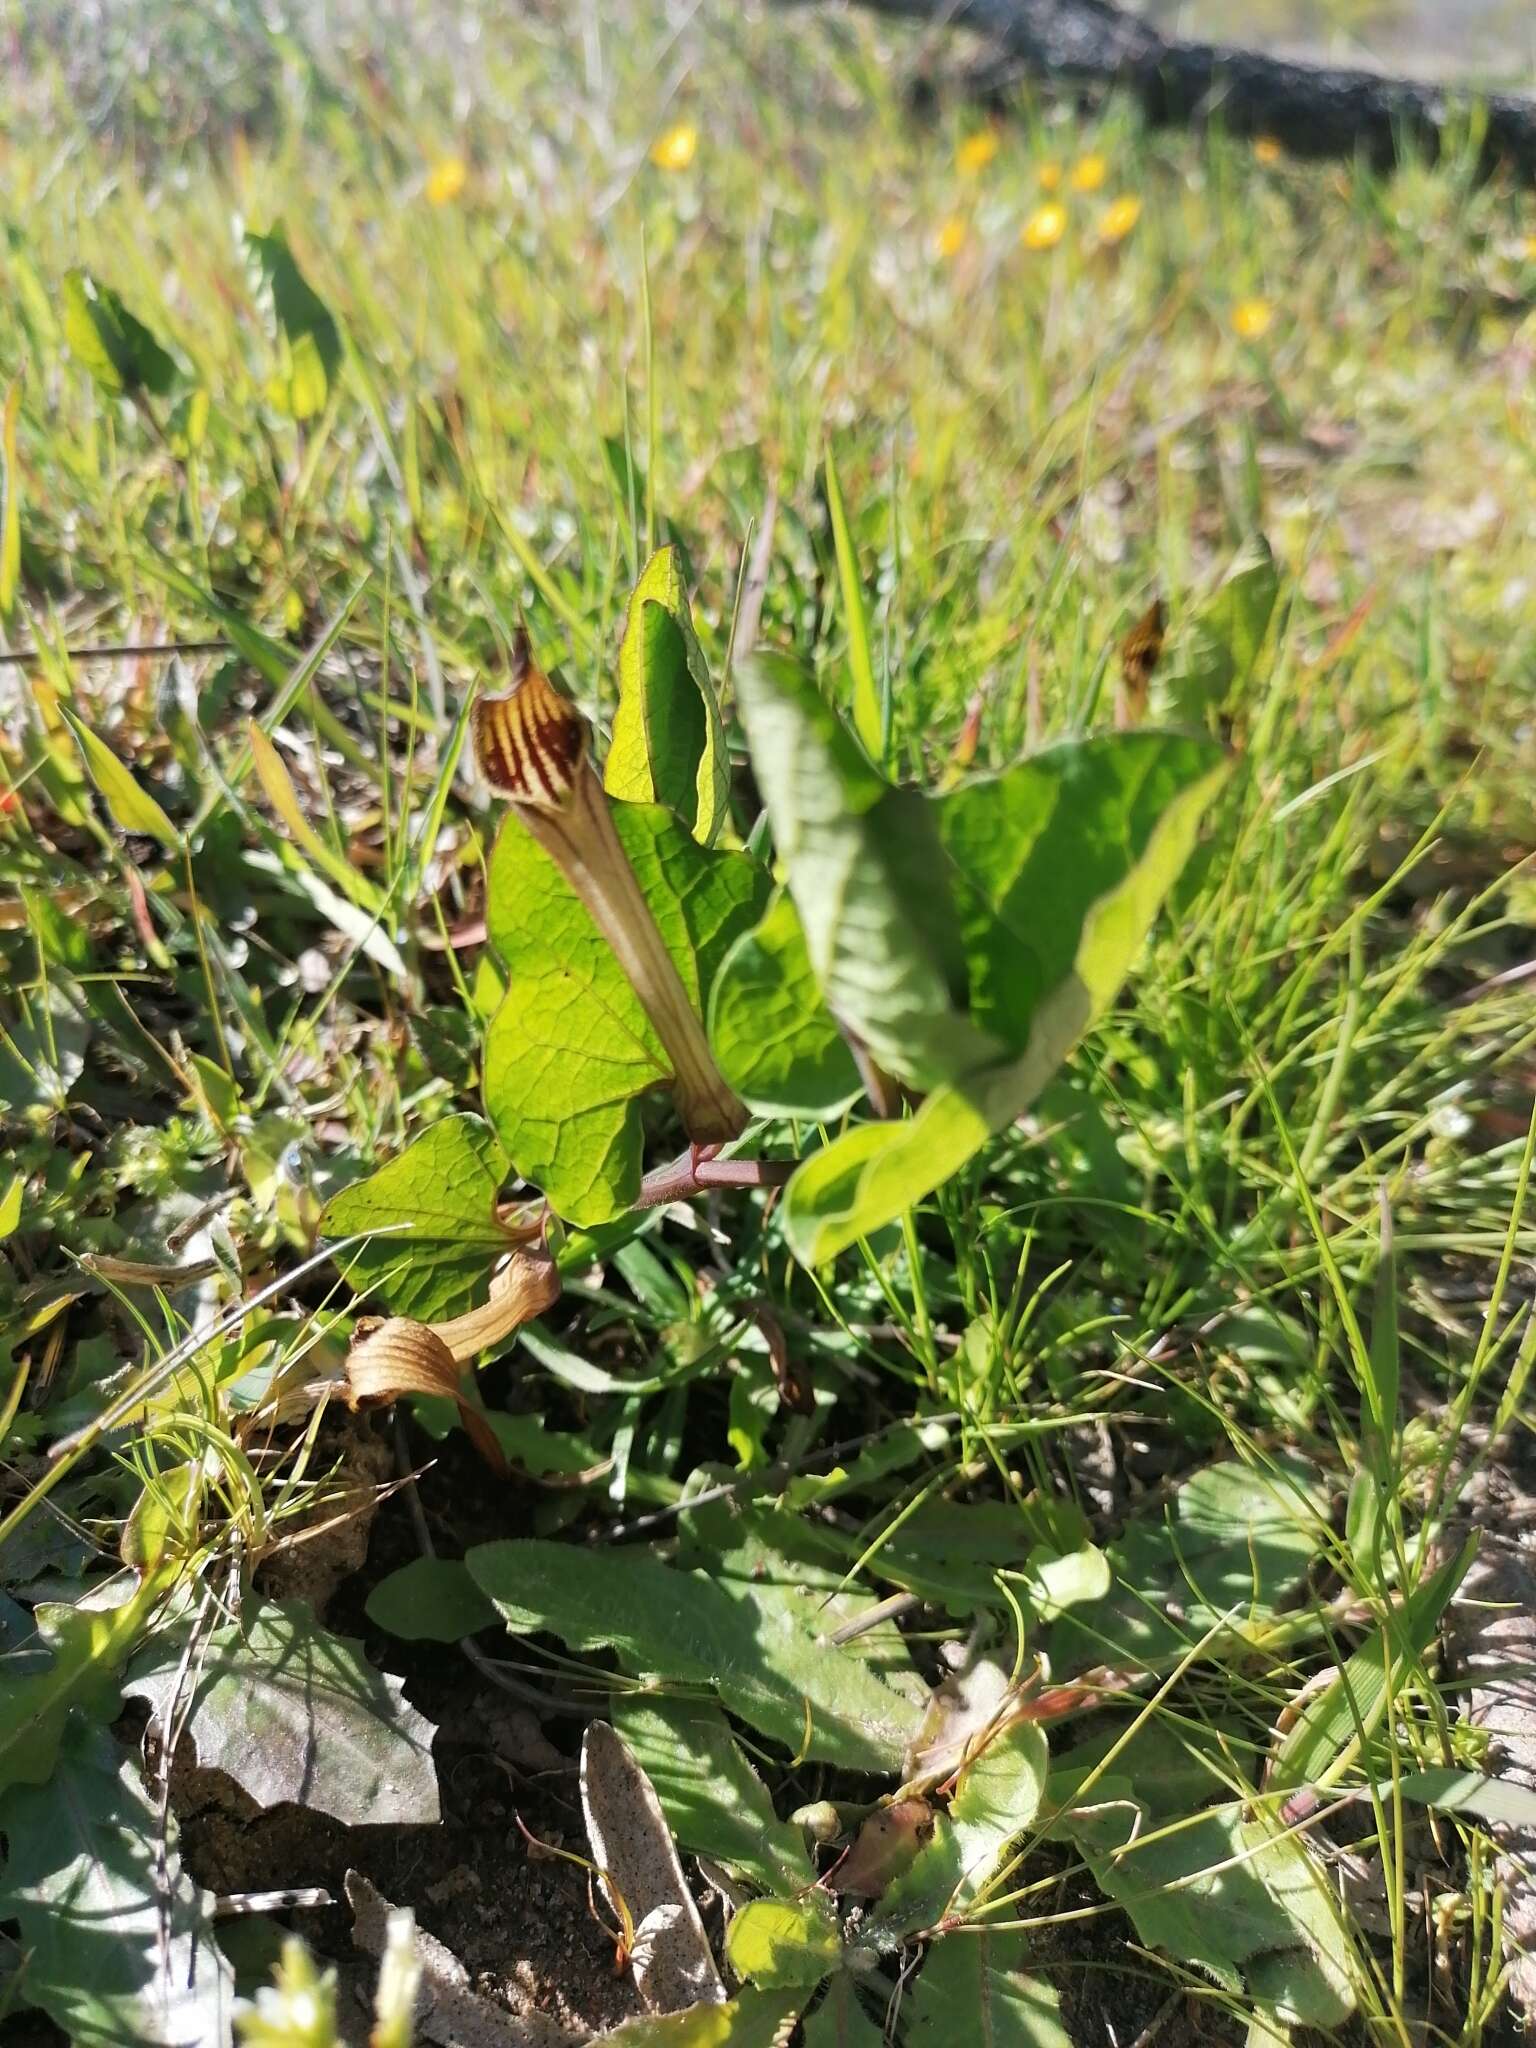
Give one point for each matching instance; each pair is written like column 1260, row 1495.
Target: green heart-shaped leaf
column 570, row 1048
column 775, row 1039
column 870, row 878
column 1062, row 865
column 1220, row 647
column 434, row 1208
column 120, row 352
column 306, row 327
column 668, row 746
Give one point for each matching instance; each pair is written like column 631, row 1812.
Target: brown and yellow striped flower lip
column 530, row 743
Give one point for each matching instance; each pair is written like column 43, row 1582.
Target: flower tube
column 532, row 748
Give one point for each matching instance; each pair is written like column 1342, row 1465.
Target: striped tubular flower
column 532, row 748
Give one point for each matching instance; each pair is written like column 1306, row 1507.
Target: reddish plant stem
column 698, row 1169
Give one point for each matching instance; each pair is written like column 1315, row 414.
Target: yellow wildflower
column 1118, row 218
column 952, row 237
column 1267, row 149
column 1045, row 226
column 446, row 180
column 676, row 147
column 1089, row 173
column 1530, row 248
column 1050, row 177
column 977, row 151
column 1252, row 318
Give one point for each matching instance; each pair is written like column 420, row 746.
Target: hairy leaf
column 1236, row 1541
column 785, row 1941
column 45, row 1055
column 998, row 1796
column 434, row 1208
column 668, row 1623
column 1353, row 1704
column 571, row 1048
column 87, row 1645
column 80, row 1877
column 668, row 746
column 292, row 1712
column 1234, row 1895
column 752, row 2019
column 756, row 1646
column 715, row 1803
column 790, row 1587
column 975, row 1991
column 430, row 1600
column 951, row 1552
column 1174, row 1764
column 840, row 2020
